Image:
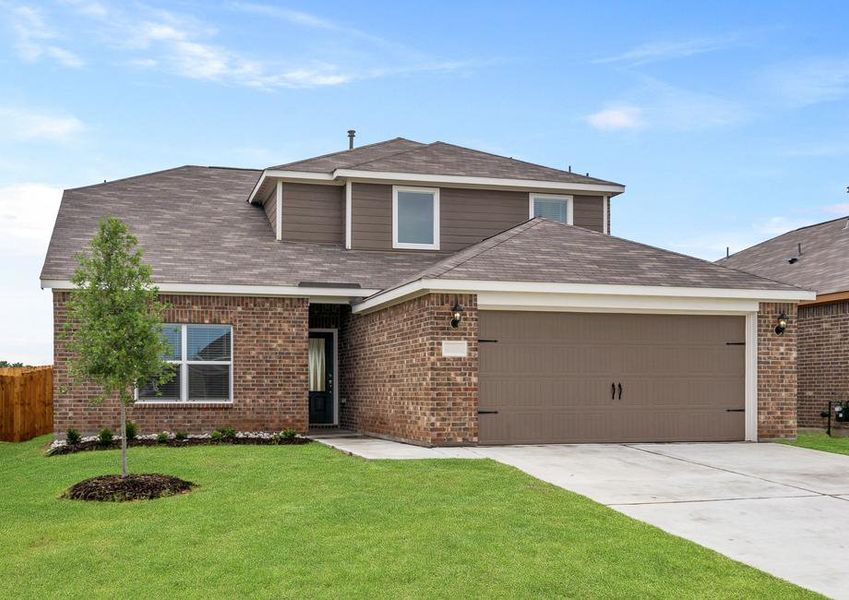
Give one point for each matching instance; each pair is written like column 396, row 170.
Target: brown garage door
column 556, row 377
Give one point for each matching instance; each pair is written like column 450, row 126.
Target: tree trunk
column 124, row 471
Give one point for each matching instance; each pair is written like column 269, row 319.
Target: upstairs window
column 555, row 208
column 202, row 356
column 415, row 218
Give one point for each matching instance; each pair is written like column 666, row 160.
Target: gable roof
column 196, row 228
column 823, row 265
column 543, row 251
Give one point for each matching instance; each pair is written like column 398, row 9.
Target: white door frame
column 335, row 333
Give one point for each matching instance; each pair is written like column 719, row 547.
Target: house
column 814, row 258
column 434, row 294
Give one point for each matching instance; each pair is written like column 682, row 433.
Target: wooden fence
column 26, row 403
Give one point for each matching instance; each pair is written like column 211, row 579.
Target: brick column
column 777, row 381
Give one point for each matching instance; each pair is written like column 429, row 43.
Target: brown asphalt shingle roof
column 401, row 155
column 545, row 251
column 822, row 267
column 195, row 227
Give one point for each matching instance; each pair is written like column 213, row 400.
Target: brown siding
column 823, row 362
column 270, row 207
column 313, row 213
column 395, row 381
column 371, row 216
column 588, row 212
column 777, row 383
column 269, row 370
column 468, row 216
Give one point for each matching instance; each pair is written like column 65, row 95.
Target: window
column 555, row 208
column 415, row 218
column 202, row 356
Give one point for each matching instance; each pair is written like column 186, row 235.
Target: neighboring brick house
column 434, row 294
column 814, row 258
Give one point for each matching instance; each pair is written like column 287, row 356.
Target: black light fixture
column 782, row 324
column 456, row 315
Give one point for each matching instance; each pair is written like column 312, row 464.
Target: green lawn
column 820, row 441
column 306, row 521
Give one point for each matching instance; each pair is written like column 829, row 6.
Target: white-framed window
column 415, row 218
column 550, row 206
column 203, row 359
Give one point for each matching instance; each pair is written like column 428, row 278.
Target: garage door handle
column 613, row 391
column 487, row 412
column 620, row 391
column 735, row 410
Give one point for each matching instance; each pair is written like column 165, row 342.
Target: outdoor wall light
column 782, row 324
column 456, row 315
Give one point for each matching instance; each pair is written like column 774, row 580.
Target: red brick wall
column 777, row 382
column 823, row 360
column 395, row 381
column 269, row 370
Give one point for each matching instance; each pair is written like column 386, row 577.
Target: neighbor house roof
column 196, row 228
column 546, row 251
column 822, row 265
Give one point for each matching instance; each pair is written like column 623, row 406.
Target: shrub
column 216, row 436
column 288, row 434
column 104, row 438
column 227, row 433
column 73, row 437
column 162, row 437
column 181, row 436
column 132, row 431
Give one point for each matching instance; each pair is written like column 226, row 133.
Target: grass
column 820, row 441
column 306, row 521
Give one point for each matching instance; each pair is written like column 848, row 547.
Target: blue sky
column 728, row 122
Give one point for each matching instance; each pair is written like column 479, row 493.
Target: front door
column 321, row 371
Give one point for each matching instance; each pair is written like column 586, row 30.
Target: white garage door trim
column 649, row 305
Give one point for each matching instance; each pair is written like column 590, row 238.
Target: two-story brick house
column 434, row 294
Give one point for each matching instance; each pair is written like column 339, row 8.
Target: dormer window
column 554, row 207
column 415, row 218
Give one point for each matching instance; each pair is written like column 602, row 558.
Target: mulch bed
column 114, row 488
column 175, row 443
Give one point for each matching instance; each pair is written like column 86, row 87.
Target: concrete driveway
column 781, row 509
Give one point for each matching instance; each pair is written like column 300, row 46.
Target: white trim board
column 751, row 403
column 279, row 214
column 341, row 176
column 349, row 212
column 315, row 294
column 636, row 293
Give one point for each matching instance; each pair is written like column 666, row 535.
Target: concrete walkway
column 777, row 508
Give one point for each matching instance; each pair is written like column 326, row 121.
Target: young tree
column 115, row 321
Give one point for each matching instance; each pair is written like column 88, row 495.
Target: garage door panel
column 548, row 376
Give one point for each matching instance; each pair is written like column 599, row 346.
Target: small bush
column 181, row 436
column 216, row 436
column 227, row 433
column 288, row 434
column 73, row 437
column 162, row 437
column 104, row 438
column 132, row 431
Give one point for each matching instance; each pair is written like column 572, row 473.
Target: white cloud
column 658, row 105
column 616, row 118
column 25, row 124
column 810, row 81
column 35, row 39
column 838, row 209
column 27, row 213
column 671, row 49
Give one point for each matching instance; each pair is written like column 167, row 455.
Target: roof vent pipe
column 351, row 134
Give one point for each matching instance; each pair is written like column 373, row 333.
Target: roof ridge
column 781, row 235
column 508, row 234
column 395, row 139
column 391, row 154
column 160, row 171
column 519, row 160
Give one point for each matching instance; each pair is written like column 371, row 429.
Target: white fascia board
column 613, row 304
column 301, row 176
column 479, row 181
column 523, row 287
column 241, row 290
